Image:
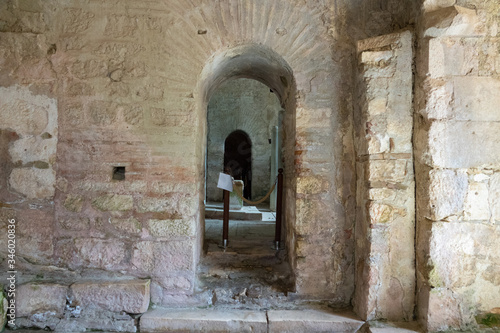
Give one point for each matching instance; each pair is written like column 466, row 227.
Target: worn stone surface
column 311, row 321
column 131, row 296
column 41, row 299
column 170, row 320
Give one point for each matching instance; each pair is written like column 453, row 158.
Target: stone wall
column 128, row 86
column 246, row 105
column 457, row 165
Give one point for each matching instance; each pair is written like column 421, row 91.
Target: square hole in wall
column 118, row 173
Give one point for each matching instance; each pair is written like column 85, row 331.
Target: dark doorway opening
column 238, row 159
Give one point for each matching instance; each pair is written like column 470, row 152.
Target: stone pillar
column 385, row 272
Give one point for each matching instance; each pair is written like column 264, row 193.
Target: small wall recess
column 118, row 173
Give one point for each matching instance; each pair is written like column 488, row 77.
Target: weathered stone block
column 77, row 20
column 170, row 228
column 131, row 296
column 33, row 183
column 113, row 202
column 447, row 191
column 173, row 256
column 40, row 298
column 476, row 206
column 468, row 144
column 131, row 225
column 476, row 98
column 74, row 203
column 143, row 257
column 387, row 170
column 453, row 56
column 106, row 254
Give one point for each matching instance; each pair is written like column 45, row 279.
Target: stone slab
column 40, row 298
column 311, row 321
column 131, row 296
column 203, row 320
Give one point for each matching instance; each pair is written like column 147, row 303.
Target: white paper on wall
column 225, row 182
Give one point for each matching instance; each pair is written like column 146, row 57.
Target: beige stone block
column 113, row 202
column 170, row 228
column 476, row 206
column 40, row 298
column 387, row 171
column 100, row 253
column 494, row 196
column 476, row 98
column 453, row 57
column 377, row 106
column 155, row 205
column 382, row 194
column 380, row 213
column 131, row 296
column 130, row 225
column 33, row 183
column 447, row 192
column 74, row 203
column 467, row 145
column 440, row 99
column 376, row 57
column 312, row 185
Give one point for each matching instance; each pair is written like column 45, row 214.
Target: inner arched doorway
column 238, row 159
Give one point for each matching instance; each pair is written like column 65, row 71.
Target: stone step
column 203, row 320
column 230, row 320
column 312, row 321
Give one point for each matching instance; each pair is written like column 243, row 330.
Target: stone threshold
column 231, row 320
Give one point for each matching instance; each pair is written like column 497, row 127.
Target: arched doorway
column 257, row 63
column 238, row 159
